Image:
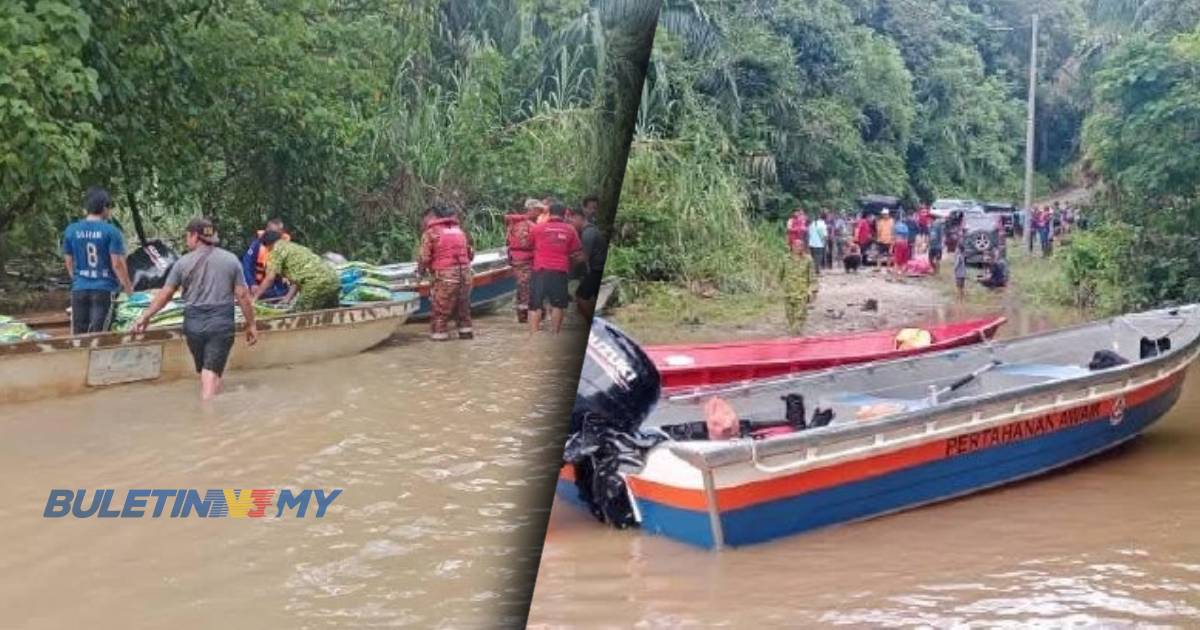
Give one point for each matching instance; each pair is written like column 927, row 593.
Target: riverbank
column 662, row 313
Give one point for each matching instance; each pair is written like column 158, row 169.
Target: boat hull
column 690, row 366
column 910, row 432
column 489, row 290
column 925, row 472
column 73, row 365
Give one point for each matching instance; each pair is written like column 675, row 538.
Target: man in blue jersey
column 95, row 253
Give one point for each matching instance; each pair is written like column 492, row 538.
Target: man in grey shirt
column 212, row 281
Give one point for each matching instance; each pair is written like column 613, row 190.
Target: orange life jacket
column 260, row 263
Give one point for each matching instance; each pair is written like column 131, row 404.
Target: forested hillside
column 754, row 107
column 344, row 117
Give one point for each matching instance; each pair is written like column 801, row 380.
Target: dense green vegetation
column 344, row 117
column 754, row 107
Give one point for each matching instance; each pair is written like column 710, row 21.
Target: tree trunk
column 134, row 209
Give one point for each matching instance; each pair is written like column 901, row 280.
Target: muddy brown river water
column 445, row 457
column 1112, row 542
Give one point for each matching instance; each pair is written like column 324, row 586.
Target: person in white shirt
column 818, row 238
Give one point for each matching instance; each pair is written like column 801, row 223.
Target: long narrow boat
column 911, row 432
column 60, row 366
column 493, row 282
column 684, row 366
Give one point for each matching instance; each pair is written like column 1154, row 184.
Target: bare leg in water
column 556, row 319
column 535, row 320
column 210, row 384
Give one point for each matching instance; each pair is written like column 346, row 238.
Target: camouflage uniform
column 450, row 298
column 798, row 290
column 317, row 282
column 450, row 291
column 524, row 274
column 519, row 241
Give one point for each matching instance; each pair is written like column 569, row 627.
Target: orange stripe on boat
column 683, row 498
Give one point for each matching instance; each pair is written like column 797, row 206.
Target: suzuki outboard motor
column 149, row 264
column 618, row 381
column 618, row 387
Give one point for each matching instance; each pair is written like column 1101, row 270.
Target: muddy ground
column 663, row 314
column 659, row 314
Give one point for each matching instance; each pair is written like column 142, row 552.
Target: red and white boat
column 689, row 366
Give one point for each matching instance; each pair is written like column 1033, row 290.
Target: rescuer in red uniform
column 446, row 254
column 520, row 254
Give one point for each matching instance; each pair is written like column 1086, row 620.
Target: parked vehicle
column 943, row 208
column 874, row 204
column 1007, row 213
column 981, row 235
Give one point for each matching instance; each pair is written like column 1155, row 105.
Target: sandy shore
column 841, row 303
column 672, row 314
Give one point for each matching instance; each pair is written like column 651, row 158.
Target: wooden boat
column 60, row 366
column 683, row 366
column 1025, row 406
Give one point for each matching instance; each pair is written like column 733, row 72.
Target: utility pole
column 1029, row 133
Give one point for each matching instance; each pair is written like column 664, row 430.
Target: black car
column 872, row 205
column 1007, row 213
column 981, row 235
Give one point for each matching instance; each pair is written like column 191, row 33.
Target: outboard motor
column 149, row 265
column 618, row 387
column 618, row 381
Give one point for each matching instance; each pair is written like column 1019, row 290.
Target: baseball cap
column 204, row 229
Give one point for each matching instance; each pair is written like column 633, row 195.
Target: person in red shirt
column 556, row 246
column 520, row 254
column 862, row 232
column 797, row 231
column 924, row 220
column 446, row 253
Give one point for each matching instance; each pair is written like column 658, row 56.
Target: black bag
column 150, row 264
column 1105, row 359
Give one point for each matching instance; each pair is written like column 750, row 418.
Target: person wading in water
column 556, row 246
column 446, row 253
column 212, row 281
column 520, row 255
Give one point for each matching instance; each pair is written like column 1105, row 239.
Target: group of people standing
column 911, row 244
column 1050, row 221
column 547, row 243
column 895, row 243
